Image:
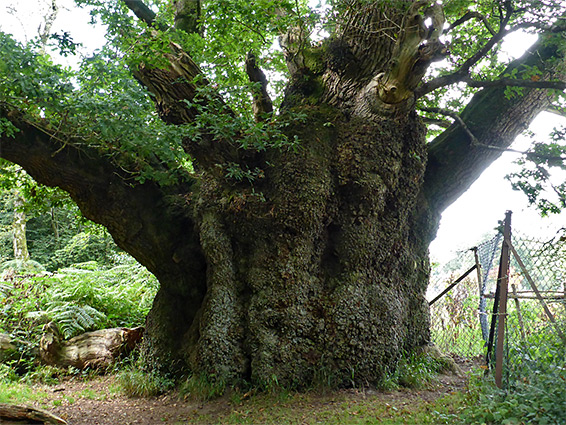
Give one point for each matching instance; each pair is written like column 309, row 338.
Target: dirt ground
column 99, row 402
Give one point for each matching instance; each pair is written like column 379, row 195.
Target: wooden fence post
column 503, row 282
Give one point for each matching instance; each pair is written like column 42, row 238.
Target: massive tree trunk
column 324, row 274
column 317, row 270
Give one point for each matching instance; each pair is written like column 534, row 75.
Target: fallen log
column 15, row 350
column 14, row 414
column 98, row 349
column 7, row 347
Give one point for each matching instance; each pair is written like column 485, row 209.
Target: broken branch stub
column 417, row 47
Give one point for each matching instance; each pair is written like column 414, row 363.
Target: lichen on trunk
column 19, row 228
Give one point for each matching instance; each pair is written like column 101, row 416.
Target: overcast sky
column 477, row 212
column 463, row 224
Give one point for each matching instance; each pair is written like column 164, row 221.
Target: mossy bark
column 321, row 274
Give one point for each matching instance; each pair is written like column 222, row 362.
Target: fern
column 21, row 266
column 78, row 299
column 71, row 319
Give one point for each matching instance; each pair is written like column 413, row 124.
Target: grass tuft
column 138, row 383
column 202, row 387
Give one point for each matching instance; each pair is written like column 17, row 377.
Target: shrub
column 85, row 247
column 536, row 392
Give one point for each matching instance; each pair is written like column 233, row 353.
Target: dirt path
column 98, row 401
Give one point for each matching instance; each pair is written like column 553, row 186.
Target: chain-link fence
column 535, row 338
column 460, row 318
column 464, row 322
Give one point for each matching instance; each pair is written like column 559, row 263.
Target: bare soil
column 98, row 401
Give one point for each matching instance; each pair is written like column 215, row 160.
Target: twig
column 456, row 118
column 476, row 142
column 515, row 82
column 471, row 15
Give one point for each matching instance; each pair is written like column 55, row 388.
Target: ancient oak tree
column 288, row 226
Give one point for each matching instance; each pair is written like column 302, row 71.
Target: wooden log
column 98, row 349
column 6, row 343
column 14, row 350
column 14, row 414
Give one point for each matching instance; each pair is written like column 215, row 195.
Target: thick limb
column 456, row 159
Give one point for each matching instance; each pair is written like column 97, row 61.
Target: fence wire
column 461, row 320
column 535, row 325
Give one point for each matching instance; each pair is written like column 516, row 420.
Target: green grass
column 137, row 383
column 338, row 408
column 202, row 388
column 18, row 393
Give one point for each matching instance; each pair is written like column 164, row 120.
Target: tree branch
column 103, row 192
column 187, row 15
column 494, row 120
column 181, row 91
column 475, row 142
column 436, row 121
column 515, row 82
column 462, row 74
column 464, row 70
column 557, row 110
column 144, row 13
column 262, row 105
column 471, row 15
column 456, row 118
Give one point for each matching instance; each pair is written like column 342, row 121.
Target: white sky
column 23, row 18
column 464, row 223
column 477, row 212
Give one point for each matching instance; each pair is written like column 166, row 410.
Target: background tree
column 290, row 236
column 19, row 229
column 47, row 223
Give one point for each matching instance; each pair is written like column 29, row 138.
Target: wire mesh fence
column 460, row 319
column 536, row 312
column 464, row 319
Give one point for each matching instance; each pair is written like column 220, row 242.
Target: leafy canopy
column 101, row 105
